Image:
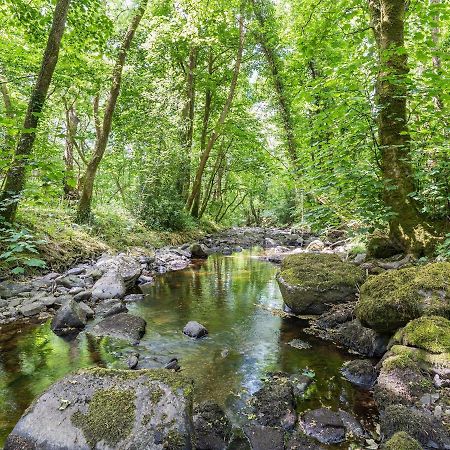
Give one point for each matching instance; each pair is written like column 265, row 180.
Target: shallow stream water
column 237, row 298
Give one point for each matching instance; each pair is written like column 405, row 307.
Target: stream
column 237, row 298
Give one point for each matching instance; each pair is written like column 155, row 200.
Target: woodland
column 295, row 113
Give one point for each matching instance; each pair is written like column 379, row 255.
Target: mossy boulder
column 381, row 246
column 429, row 333
column 109, row 409
column 311, row 282
column 402, row 441
column 391, row 300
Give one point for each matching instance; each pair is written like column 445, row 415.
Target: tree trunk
column 273, row 62
column 218, row 128
column 69, row 181
column 187, row 125
column 104, row 128
column 407, row 229
column 15, row 177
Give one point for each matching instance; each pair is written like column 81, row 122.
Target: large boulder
column 390, row 300
column 69, row 319
column 310, row 283
column 110, row 285
column 109, row 409
column 121, row 326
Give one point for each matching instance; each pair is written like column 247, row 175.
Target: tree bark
column 16, row 175
column 218, row 128
column 69, row 181
column 104, row 128
column 187, row 125
column 407, row 228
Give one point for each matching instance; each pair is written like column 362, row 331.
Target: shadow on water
column 236, row 298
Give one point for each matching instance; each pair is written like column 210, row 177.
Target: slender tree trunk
column 187, row 131
column 16, row 176
column 9, row 112
column 273, row 62
column 218, row 128
column 406, row 226
column 104, row 128
column 69, row 181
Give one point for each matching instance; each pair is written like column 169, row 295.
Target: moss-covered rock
column 380, row 246
column 311, row 282
column 431, row 334
column 109, row 409
column 402, row 441
column 394, row 298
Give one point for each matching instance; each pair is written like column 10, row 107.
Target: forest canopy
column 311, row 113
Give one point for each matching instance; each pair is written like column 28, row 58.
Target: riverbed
column 237, row 298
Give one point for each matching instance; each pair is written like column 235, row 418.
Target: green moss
column 110, row 417
column 319, row 270
column 427, row 333
column 392, row 299
column 421, row 357
column 402, row 441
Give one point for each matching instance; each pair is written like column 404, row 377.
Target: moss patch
column 319, row 270
column 427, row 333
column 110, row 417
column 392, row 299
column 402, row 441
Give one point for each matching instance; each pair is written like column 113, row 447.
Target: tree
column 103, row 128
column 16, row 175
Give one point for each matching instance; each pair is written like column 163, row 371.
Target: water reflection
column 232, row 296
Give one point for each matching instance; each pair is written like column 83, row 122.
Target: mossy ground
column 112, row 229
column 430, row 333
column 319, row 270
column 402, row 441
column 392, row 299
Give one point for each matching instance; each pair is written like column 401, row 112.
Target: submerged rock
column 310, row 283
column 360, row 372
column 108, row 409
column 70, row 318
column 264, row 437
column 392, row 299
column 121, row 326
column 212, row 427
column 195, row 330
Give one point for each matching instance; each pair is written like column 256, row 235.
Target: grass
column 113, row 229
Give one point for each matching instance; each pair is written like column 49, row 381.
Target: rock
column 269, row 243
column 401, row 441
column 70, row 318
column 170, row 260
column 198, row 251
column 195, row 330
column 360, row 372
column 87, row 310
column 127, row 267
column 49, row 301
column 109, row 409
column 83, row 295
column 299, row 441
column 264, row 438
column 70, row 281
column 310, row 283
column 76, row 271
column 363, row 340
column 299, row 384
column 360, row 258
column 315, row 246
column 212, row 427
column 10, row 289
column 121, row 326
column 134, row 298
column 110, row 307
column 274, row 403
column 392, row 299
column 31, row 309
column 431, row 334
column 380, row 246
column 75, row 290
column 110, row 285
column 423, row 427
column 337, row 315
column 324, row 425
column 133, row 361
column 173, row 365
